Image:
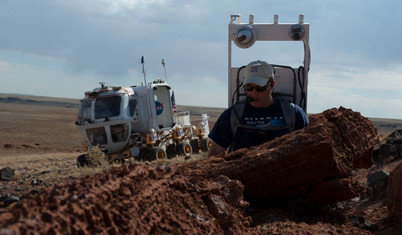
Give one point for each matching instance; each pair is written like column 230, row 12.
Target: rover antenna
column 164, row 67
column 143, row 69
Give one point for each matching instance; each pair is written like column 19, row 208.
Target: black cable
column 294, row 78
column 237, row 85
column 237, row 90
column 300, row 72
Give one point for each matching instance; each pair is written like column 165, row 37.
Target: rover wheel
column 206, row 144
column 171, row 151
column 184, row 148
column 143, row 155
column 82, row 160
column 194, row 145
column 157, row 153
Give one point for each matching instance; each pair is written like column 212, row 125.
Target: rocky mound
column 391, row 148
column 309, row 168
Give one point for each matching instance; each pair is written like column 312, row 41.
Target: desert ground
column 39, row 141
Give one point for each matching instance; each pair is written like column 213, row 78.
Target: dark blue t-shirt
column 246, row 136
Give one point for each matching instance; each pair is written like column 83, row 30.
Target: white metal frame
column 285, row 84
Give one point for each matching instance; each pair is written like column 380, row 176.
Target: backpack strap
column 289, row 112
column 235, row 116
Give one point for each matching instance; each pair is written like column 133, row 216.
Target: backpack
column 288, row 109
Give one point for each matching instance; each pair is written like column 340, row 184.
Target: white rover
column 139, row 122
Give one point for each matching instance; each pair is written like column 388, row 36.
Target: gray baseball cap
column 258, row 72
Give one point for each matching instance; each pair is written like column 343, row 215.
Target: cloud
column 326, row 98
column 358, row 32
column 355, row 46
column 374, row 92
column 352, row 77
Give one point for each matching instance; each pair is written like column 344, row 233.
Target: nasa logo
column 159, row 107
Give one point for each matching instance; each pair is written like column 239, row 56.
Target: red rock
column 313, row 165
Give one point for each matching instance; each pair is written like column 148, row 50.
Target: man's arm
column 215, row 149
column 301, row 118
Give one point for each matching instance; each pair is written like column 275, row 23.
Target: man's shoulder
column 299, row 110
column 225, row 115
column 288, row 104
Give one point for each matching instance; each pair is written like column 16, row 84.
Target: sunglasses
column 258, row 88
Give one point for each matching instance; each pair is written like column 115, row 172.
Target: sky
column 62, row 48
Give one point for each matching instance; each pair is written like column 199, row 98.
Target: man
column 260, row 118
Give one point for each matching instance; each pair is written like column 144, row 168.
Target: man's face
column 259, row 94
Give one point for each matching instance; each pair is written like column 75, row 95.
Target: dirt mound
column 134, row 199
column 311, row 167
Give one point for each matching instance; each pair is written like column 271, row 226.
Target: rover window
column 97, row 136
column 107, row 107
column 84, row 111
column 119, row 132
column 132, row 105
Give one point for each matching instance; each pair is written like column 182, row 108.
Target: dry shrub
column 95, row 157
column 84, row 171
column 176, row 160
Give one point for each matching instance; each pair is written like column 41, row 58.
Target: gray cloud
column 107, row 38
